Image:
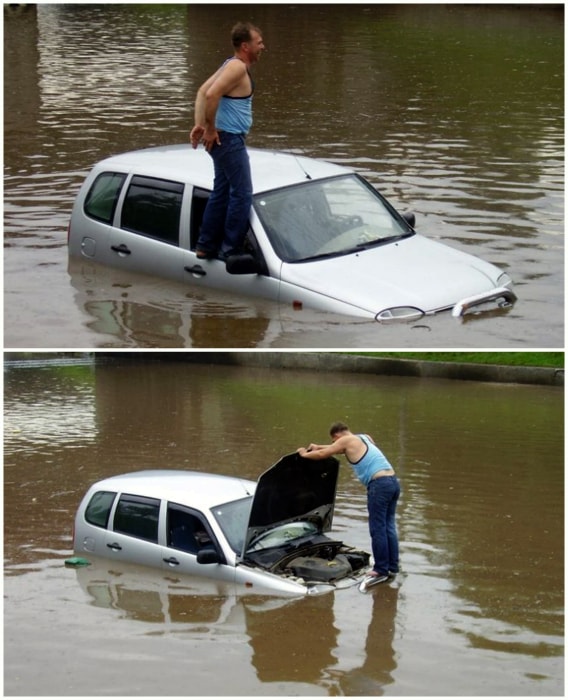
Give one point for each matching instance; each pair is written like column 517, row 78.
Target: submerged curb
column 338, row 362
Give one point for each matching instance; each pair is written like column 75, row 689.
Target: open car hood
column 293, row 489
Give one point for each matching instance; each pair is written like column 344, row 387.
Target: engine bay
column 318, row 559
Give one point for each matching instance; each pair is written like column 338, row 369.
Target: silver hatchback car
column 267, row 536
column 320, row 235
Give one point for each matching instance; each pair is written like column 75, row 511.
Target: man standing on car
column 383, row 489
column 223, row 117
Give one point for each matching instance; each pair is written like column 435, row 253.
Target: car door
column 187, row 533
column 213, row 273
column 133, row 534
column 147, row 227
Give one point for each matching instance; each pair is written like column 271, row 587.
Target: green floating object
column 77, row 561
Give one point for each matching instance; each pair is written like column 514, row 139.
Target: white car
column 320, row 235
column 265, row 537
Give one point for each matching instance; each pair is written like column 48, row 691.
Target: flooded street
column 477, row 610
column 453, row 111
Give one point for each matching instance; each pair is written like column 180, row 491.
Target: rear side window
column 152, row 208
column 99, row 508
column 137, row 516
column 101, row 199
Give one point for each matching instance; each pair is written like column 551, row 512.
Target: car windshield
column 326, row 218
column 282, row 534
column 233, row 519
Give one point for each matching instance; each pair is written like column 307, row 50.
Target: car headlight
column 504, row 280
column 399, row 313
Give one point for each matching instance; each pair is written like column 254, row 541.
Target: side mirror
column 409, row 217
column 208, row 556
column 243, row 265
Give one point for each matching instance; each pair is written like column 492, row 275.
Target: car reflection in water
column 291, row 642
column 145, row 596
column 144, row 311
column 136, row 310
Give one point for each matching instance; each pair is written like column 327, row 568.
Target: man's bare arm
column 323, row 451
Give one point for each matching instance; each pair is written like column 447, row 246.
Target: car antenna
column 306, row 173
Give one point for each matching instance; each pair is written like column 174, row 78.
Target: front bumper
column 503, row 295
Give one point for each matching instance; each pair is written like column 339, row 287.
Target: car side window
column 99, row 507
column 186, row 530
column 137, row 516
column 152, row 208
column 101, row 199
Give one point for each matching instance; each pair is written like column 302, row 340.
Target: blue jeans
column 382, row 499
column 226, row 216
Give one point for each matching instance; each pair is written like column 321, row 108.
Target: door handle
column 196, row 270
column 114, row 546
column 121, row 249
column 172, row 561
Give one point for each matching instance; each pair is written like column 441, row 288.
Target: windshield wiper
column 323, row 256
column 358, row 247
column 382, row 241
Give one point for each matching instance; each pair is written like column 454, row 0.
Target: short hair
column 241, row 33
column 337, row 428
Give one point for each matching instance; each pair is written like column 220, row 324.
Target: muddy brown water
column 477, row 609
column 453, row 111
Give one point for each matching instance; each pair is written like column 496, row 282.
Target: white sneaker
column 372, row 579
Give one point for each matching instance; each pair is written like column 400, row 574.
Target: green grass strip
column 521, row 359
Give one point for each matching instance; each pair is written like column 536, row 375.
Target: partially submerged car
column 265, row 536
column 320, row 235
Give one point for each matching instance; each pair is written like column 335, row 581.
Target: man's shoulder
column 350, row 439
column 235, row 65
column 233, row 72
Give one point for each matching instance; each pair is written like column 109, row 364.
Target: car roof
column 270, row 169
column 195, row 489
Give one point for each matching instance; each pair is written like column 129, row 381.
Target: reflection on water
column 71, row 398
column 134, row 310
column 454, row 111
column 481, row 511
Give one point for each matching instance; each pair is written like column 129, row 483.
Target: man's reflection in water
column 376, row 672
column 298, row 642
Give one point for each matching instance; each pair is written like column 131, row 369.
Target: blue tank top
column 371, row 462
column 234, row 114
